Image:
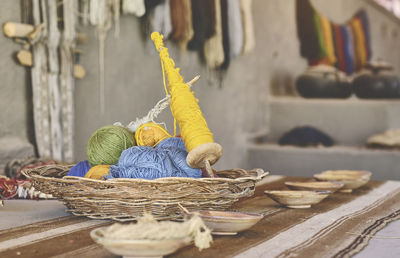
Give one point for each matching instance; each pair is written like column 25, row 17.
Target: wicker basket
column 126, row 199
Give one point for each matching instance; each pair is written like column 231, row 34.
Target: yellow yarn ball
column 150, row 134
column 97, row 172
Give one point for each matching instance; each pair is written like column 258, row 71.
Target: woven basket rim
column 164, row 180
column 104, row 199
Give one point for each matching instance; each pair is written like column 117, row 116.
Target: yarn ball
column 106, row 144
column 98, row 172
column 150, row 134
column 306, row 136
column 79, row 169
column 167, row 159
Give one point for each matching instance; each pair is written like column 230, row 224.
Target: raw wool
column 161, row 19
column 203, row 19
column 149, row 228
column 84, row 7
column 188, row 32
column 181, row 19
column 235, row 28
column 153, row 113
column 225, row 34
column 135, row 7
column 177, row 19
column 249, row 41
column 213, row 48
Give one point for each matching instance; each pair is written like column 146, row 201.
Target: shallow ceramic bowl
column 297, row 199
column 139, row 248
column 315, row 186
column 228, row 222
column 351, row 179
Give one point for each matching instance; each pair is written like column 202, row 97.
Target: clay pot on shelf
column 376, row 82
column 323, row 81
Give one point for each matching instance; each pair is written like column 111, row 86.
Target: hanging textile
column 213, row 48
column 348, row 46
column 181, row 19
column 235, row 28
column 40, row 92
column 136, row 7
column 52, row 79
column 67, row 80
column 203, row 20
column 161, row 19
column 225, row 34
column 249, row 40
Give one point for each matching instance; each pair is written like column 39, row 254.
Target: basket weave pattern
column 125, row 199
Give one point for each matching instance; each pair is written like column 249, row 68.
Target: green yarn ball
column 106, row 144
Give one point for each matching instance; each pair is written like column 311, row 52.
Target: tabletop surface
column 43, row 228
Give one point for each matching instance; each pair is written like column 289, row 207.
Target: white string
column 154, row 112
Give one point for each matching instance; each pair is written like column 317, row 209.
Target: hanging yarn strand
column 155, row 111
column 198, row 139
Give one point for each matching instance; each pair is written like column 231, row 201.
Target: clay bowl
column 139, row 248
column 315, row 186
column 228, row 222
column 297, row 199
column 351, row 179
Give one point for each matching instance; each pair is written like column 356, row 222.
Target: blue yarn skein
column 167, row 159
column 79, row 169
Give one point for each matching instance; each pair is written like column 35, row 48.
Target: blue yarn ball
column 79, row 169
column 167, row 159
column 172, row 142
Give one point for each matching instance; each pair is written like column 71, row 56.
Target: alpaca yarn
column 79, row 169
column 106, row 144
column 150, row 134
column 98, row 172
column 167, row 159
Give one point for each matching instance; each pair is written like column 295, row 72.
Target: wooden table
column 340, row 226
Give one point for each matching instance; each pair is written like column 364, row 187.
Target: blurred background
column 102, row 68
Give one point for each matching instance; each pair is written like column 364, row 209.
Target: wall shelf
column 297, row 161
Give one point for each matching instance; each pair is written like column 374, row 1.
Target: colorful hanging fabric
column 347, row 46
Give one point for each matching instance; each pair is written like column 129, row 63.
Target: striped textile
column 340, row 226
column 346, row 46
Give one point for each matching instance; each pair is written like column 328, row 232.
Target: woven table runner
column 339, row 226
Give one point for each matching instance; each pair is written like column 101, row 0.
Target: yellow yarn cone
column 195, row 133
